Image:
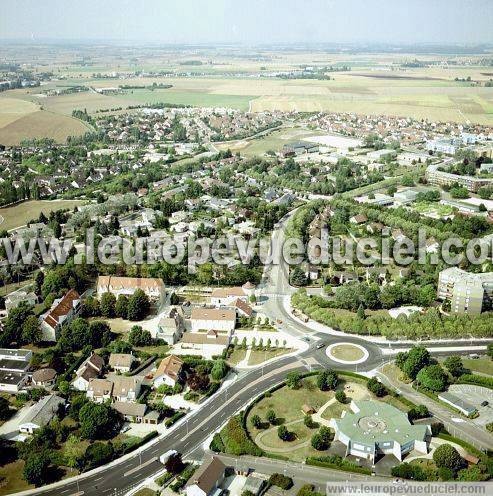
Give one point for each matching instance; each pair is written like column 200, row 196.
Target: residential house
column 99, row 390
column 358, row 219
column 131, row 412
column 41, row 414
column 206, row 479
column 170, row 327
column 91, row 368
column 169, row 371
column 208, row 344
column 219, row 319
column 62, row 312
column 227, row 296
column 126, row 389
column 243, row 309
column 121, row 362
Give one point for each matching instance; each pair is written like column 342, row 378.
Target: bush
column 341, row 396
column 321, row 440
column 418, row 412
column 174, row 418
column 376, row 387
column 407, row 471
column 446, row 456
column 309, row 422
column 282, row 481
column 271, row 417
column 217, row 444
column 235, row 439
column 164, row 479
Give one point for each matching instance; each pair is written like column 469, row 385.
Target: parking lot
column 475, row 395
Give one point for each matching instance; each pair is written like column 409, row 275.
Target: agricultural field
column 22, row 117
column 18, row 215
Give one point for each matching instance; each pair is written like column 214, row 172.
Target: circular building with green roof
column 375, row 428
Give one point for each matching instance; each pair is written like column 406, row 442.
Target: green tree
column 98, row 421
column 31, row 330
column 138, row 305
column 108, row 305
column 283, row 433
column 376, row 387
column 417, row 358
column 35, row 469
column 341, row 396
column 219, row 369
column 454, row 365
column 298, row 277
column 433, row 378
column 139, row 337
column 327, row 380
column 293, row 380
column 121, row 307
column 256, row 421
column 271, row 417
column 446, row 456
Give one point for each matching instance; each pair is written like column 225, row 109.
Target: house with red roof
column 62, row 312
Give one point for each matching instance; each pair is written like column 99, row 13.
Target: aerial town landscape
column 240, row 263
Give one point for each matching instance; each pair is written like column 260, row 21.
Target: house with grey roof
column 41, row 413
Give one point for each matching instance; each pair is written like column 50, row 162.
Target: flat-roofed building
column 376, row 428
column 467, row 292
column 458, row 403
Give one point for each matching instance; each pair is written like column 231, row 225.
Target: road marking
column 136, row 469
column 99, row 478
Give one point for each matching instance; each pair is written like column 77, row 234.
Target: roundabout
column 347, row 353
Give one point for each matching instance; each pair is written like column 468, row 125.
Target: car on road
column 320, row 345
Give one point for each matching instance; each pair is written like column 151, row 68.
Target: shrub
column 376, row 387
column 235, row 439
column 217, row 444
column 341, row 396
column 446, row 456
column 271, row 417
column 282, row 481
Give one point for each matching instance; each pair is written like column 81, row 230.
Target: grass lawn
column 145, row 492
column 154, row 350
column 11, row 480
column 20, row 214
column 347, row 353
column 257, row 357
column 483, row 365
column 13, row 286
column 287, row 402
column 335, row 410
column 236, row 357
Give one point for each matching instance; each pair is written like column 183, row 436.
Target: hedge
column 177, row 416
column 337, row 463
column 478, row 380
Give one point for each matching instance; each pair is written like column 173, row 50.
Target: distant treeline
column 152, row 86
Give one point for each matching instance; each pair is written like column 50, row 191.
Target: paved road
column 189, row 436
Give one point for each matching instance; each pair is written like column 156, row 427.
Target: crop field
column 18, row 215
column 23, row 117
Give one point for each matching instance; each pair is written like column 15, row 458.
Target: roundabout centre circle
column 347, row 353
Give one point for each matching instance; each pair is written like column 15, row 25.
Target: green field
column 18, row 215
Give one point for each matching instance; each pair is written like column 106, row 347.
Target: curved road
column 189, row 435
